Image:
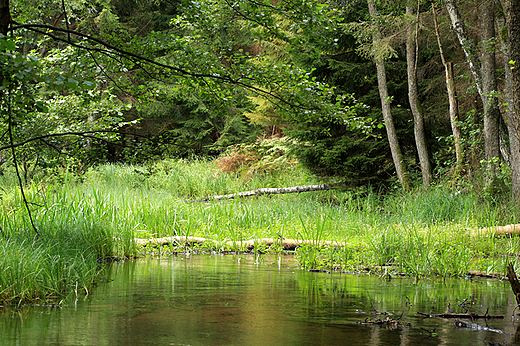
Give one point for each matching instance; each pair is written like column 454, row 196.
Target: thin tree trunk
column 483, row 73
column 5, row 18
column 513, row 129
column 513, row 281
column 452, row 97
column 418, row 120
column 466, row 43
column 489, row 86
column 512, row 9
column 395, row 149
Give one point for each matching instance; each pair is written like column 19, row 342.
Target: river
column 260, row 300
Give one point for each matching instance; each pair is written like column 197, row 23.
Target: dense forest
column 380, row 93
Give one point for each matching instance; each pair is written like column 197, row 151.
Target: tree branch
column 86, row 134
column 128, row 55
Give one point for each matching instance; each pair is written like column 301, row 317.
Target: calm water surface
column 250, row 300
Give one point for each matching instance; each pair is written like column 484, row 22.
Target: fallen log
column 271, row 191
column 471, row 316
column 498, row 231
column 179, row 240
column 287, row 244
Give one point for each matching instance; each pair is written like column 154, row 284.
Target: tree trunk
column 483, row 73
column 395, row 149
column 466, row 43
column 512, row 126
column 512, row 8
column 452, row 97
column 489, row 86
column 418, row 120
column 513, row 281
column 5, row 18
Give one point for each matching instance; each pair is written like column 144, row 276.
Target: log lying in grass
column 272, row 191
column 287, row 244
column 171, row 240
column 499, row 231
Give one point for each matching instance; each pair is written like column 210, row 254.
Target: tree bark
column 511, row 117
column 489, row 86
column 418, row 120
column 512, row 8
column 483, row 73
column 5, row 17
column 395, row 149
column 513, row 33
column 452, row 97
column 466, row 43
column 513, row 281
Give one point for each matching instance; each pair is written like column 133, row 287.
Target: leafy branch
column 134, row 58
column 85, row 134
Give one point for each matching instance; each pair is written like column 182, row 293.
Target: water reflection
column 246, row 300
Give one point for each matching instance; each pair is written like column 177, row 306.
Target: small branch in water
column 467, row 325
column 430, row 331
column 388, row 322
column 471, row 316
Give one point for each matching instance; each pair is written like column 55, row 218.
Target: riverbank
column 84, row 220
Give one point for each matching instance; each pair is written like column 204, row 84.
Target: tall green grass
column 83, row 220
column 76, row 232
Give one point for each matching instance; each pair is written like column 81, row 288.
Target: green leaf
column 7, row 44
column 88, row 85
column 41, row 107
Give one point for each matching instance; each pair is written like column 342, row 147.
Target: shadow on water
column 248, row 300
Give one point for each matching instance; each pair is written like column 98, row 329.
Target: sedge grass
column 97, row 216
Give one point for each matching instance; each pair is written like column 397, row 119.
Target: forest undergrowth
column 86, row 221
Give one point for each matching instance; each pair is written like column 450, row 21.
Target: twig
column 66, row 19
column 13, row 154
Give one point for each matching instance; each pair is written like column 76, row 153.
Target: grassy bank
column 82, row 221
